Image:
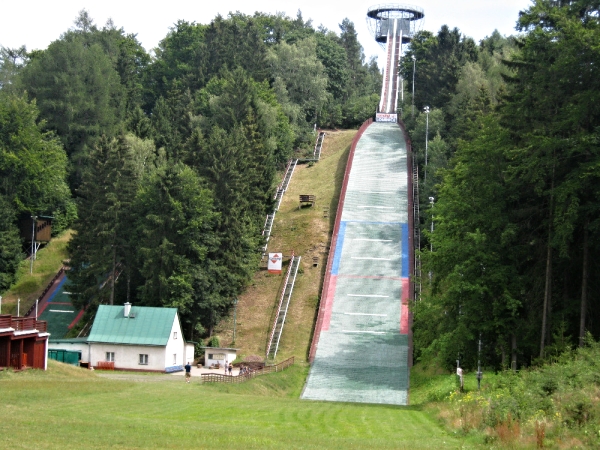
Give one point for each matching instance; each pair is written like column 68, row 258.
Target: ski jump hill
column 361, row 348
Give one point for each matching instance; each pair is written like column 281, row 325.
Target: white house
column 219, row 355
column 133, row 338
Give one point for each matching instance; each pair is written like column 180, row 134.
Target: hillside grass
column 72, row 408
column 307, row 233
column 29, row 287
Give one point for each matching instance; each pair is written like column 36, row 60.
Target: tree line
column 164, row 163
column 513, row 170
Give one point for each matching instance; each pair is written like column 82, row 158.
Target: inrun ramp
column 361, row 337
column 58, row 311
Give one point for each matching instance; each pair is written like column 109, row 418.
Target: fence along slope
column 219, row 378
column 360, row 348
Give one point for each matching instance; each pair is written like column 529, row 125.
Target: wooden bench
column 106, row 365
column 312, row 199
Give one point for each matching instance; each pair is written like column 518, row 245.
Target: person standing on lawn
column 188, row 372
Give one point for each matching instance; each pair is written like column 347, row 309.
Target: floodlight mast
column 392, row 25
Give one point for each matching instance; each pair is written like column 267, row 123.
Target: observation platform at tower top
column 395, row 11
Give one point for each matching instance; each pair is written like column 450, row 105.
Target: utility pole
column 479, row 373
column 413, row 85
column 426, row 109
column 114, row 269
column 431, row 200
column 235, row 302
column 33, row 219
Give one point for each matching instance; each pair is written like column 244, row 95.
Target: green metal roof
column 144, row 326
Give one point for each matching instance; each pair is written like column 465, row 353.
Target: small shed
column 219, row 355
column 65, row 356
column 41, row 231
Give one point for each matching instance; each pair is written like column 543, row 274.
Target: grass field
column 71, row 408
column 28, row 287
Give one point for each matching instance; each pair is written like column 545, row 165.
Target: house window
column 110, row 356
column 174, row 359
column 174, row 334
column 143, row 359
column 216, row 356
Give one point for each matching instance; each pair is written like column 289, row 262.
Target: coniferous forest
column 510, row 188
column 164, row 164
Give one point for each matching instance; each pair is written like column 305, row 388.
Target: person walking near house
column 230, row 369
column 188, row 372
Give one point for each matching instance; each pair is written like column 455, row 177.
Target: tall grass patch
column 556, row 405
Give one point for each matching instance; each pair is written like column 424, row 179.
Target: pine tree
column 100, row 248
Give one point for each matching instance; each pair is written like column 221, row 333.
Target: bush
column 213, row 341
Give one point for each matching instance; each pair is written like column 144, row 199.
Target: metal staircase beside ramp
column 417, row 232
column 282, row 308
column 289, row 171
column 319, row 146
column 267, row 229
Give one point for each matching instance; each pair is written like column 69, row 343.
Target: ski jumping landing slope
column 361, row 336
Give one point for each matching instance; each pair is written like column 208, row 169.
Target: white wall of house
column 128, row 356
column 189, row 352
column 175, row 352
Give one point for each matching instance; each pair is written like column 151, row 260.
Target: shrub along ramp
column 361, row 345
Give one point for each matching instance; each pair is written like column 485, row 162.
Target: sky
column 36, row 23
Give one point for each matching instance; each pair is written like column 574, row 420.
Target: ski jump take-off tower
column 393, row 25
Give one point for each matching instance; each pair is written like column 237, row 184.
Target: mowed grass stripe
column 92, row 412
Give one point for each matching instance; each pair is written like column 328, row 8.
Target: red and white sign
column 381, row 117
column 274, row 265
